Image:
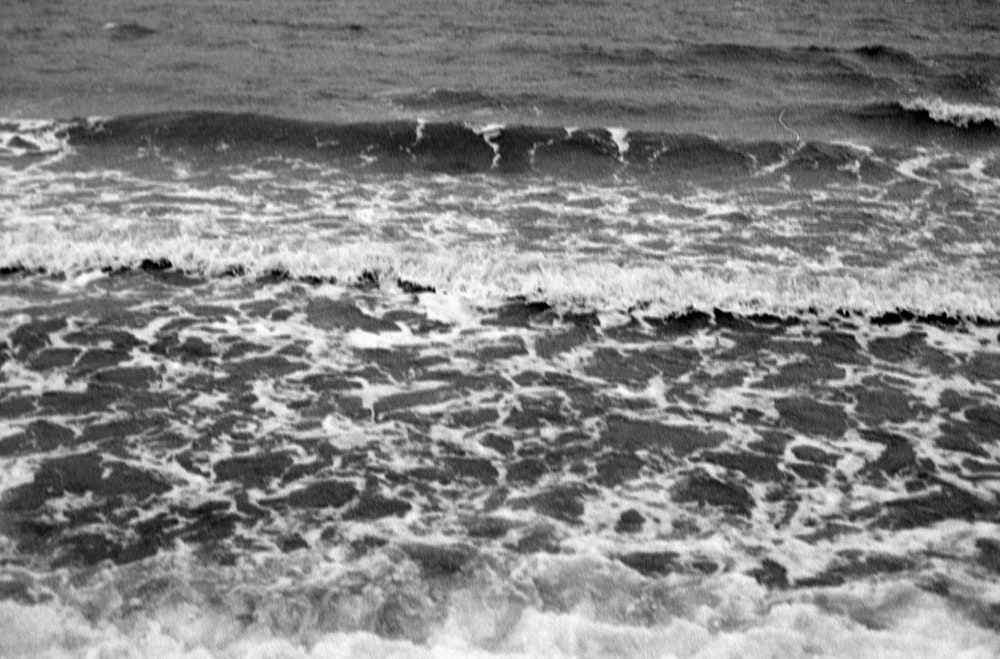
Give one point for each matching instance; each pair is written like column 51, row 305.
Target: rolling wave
column 396, row 146
column 490, row 277
column 400, row 146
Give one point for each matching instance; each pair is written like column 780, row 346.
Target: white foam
column 359, row 339
column 921, row 160
column 448, row 309
column 345, row 433
column 33, row 137
column 959, row 114
column 620, row 137
column 15, row 472
column 487, row 277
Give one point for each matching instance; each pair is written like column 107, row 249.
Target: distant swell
column 741, row 53
column 877, row 51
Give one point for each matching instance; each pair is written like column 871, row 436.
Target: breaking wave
column 963, row 115
column 492, row 276
column 934, row 113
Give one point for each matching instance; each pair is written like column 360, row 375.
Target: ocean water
column 538, row 329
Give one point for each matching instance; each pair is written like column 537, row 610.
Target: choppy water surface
column 567, row 330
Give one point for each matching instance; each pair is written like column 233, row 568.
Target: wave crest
column 490, row 277
column 963, row 115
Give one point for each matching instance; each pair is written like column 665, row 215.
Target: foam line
column 490, row 276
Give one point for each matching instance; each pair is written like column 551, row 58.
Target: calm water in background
column 519, row 329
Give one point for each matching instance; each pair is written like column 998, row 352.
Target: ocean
column 561, row 328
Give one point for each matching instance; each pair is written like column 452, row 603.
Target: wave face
column 566, row 152
column 487, row 145
column 401, row 146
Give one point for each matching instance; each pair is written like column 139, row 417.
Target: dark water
column 518, row 329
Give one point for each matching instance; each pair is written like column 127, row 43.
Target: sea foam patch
column 32, row 137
